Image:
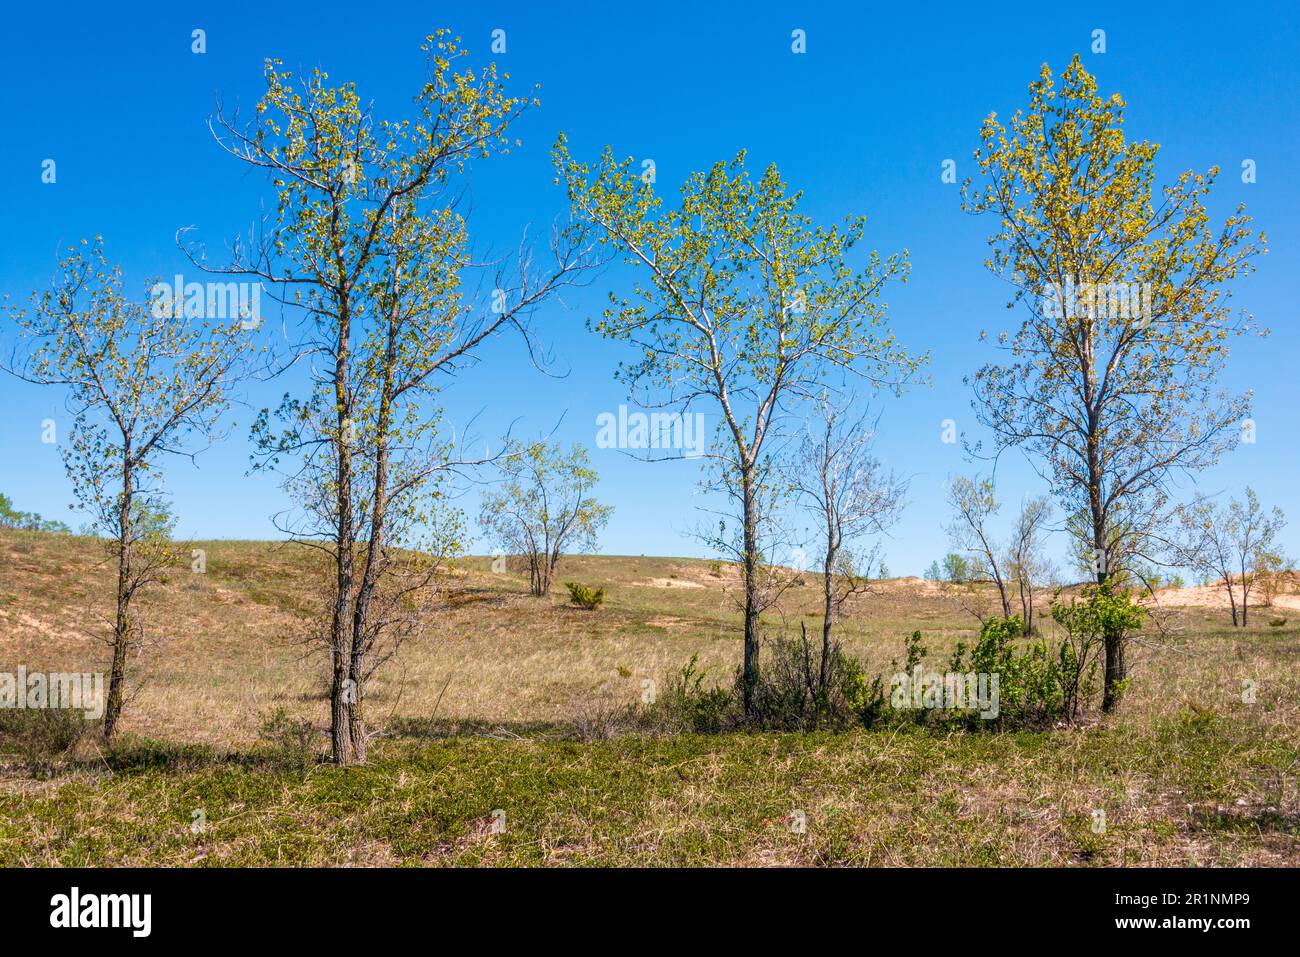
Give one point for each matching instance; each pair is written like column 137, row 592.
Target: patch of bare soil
column 667, row 621
column 1216, row 596
column 671, row 583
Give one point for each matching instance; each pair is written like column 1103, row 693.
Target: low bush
column 584, row 596
column 685, row 705
column 1031, row 678
column 798, row 691
column 1086, row 623
column 790, row 695
column 1040, row 681
column 1037, row 681
column 600, row 721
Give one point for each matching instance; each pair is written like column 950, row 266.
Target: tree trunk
column 344, row 692
column 1113, row 639
column 749, row 679
column 122, row 618
column 1245, row 594
column 552, row 561
column 535, row 575
column 362, row 627
column 828, row 610
column 1115, row 671
column 340, row 712
column 1002, row 589
column 1029, row 608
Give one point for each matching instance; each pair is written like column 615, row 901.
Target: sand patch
column 1216, row 596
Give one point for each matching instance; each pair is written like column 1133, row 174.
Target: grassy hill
column 496, row 707
column 235, row 641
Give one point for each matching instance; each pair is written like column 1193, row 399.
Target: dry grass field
column 491, row 709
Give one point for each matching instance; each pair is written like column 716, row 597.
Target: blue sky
column 862, row 123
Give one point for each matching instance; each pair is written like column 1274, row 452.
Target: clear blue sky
column 862, row 123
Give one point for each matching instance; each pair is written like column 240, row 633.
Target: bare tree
column 974, row 503
column 1025, row 562
column 1253, row 532
column 544, row 507
column 851, row 496
column 1231, row 545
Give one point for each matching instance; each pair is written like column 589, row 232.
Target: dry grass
column 234, row 642
column 231, row 643
column 1188, row 772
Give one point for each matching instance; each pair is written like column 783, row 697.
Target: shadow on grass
column 1246, row 820
column 134, row 755
column 444, row 728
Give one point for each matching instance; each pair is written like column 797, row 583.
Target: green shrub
column 865, row 699
column 792, row 695
column 584, row 596
column 916, row 650
column 685, row 705
column 1039, row 682
column 1086, row 623
column 1029, row 679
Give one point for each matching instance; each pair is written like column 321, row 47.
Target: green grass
column 903, row 797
